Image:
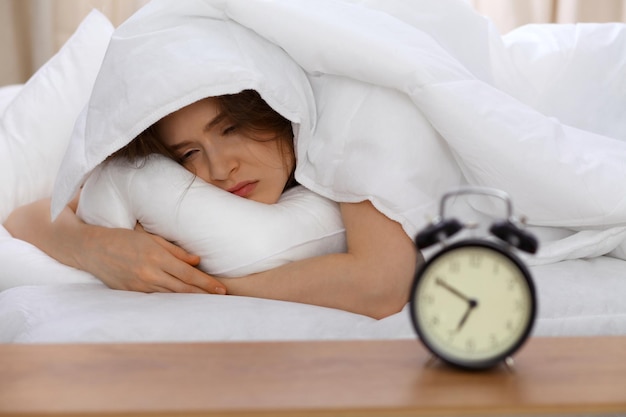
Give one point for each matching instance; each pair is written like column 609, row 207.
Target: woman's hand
column 140, row 261
column 121, row 258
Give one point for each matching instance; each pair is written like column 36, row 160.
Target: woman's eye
column 229, row 129
column 185, row 156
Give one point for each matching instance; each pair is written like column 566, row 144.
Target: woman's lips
column 243, row 189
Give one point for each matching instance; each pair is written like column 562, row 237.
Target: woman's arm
column 373, row 278
column 121, row 258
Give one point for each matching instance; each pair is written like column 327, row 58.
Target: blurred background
column 31, row 31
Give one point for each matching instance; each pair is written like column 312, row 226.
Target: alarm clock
column 473, row 303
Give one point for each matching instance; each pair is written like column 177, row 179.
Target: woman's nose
column 221, row 163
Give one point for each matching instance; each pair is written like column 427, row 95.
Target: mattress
column 575, row 297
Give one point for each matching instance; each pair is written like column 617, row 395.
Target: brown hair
column 247, row 109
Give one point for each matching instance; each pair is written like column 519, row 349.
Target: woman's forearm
column 330, row 281
column 373, row 278
column 121, row 258
column 61, row 239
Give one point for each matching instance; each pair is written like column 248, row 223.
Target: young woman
column 239, row 144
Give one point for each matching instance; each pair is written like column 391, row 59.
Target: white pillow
column 232, row 235
column 36, row 125
column 7, row 94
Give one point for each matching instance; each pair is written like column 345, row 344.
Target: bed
column 537, row 113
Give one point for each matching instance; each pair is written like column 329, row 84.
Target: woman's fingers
column 187, row 278
column 170, row 284
column 155, row 280
column 177, row 251
column 193, row 277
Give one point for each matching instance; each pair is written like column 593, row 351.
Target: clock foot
column 509, row 364
column 430, row 362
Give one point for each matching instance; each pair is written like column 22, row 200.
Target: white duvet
column 392, row 101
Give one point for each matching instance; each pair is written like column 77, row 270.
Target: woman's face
column 217, row 151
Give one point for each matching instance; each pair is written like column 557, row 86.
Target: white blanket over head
column 392, row 101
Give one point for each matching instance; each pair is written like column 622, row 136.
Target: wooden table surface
column 351, row 378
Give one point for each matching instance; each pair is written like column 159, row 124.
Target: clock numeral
column 493, row 340
column 509, row 325
column 496, row 268
column 470, row 345
column 434, row 321
column 455, row 266
column 429, row 299
column 511, row 284
column 475, row 260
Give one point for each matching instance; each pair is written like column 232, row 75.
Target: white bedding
column 537, row 113
column 577, row 297
column 545, row 124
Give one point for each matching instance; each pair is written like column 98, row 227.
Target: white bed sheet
column 576, row 297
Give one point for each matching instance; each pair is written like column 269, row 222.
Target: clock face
column 473, row 304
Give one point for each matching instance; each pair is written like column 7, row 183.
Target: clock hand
column 471, row 303
column 470, row 307
column 453, row 290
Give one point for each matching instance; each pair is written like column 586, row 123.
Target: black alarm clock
column 473, row 302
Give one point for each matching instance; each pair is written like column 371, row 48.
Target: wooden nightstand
column 355, row 378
